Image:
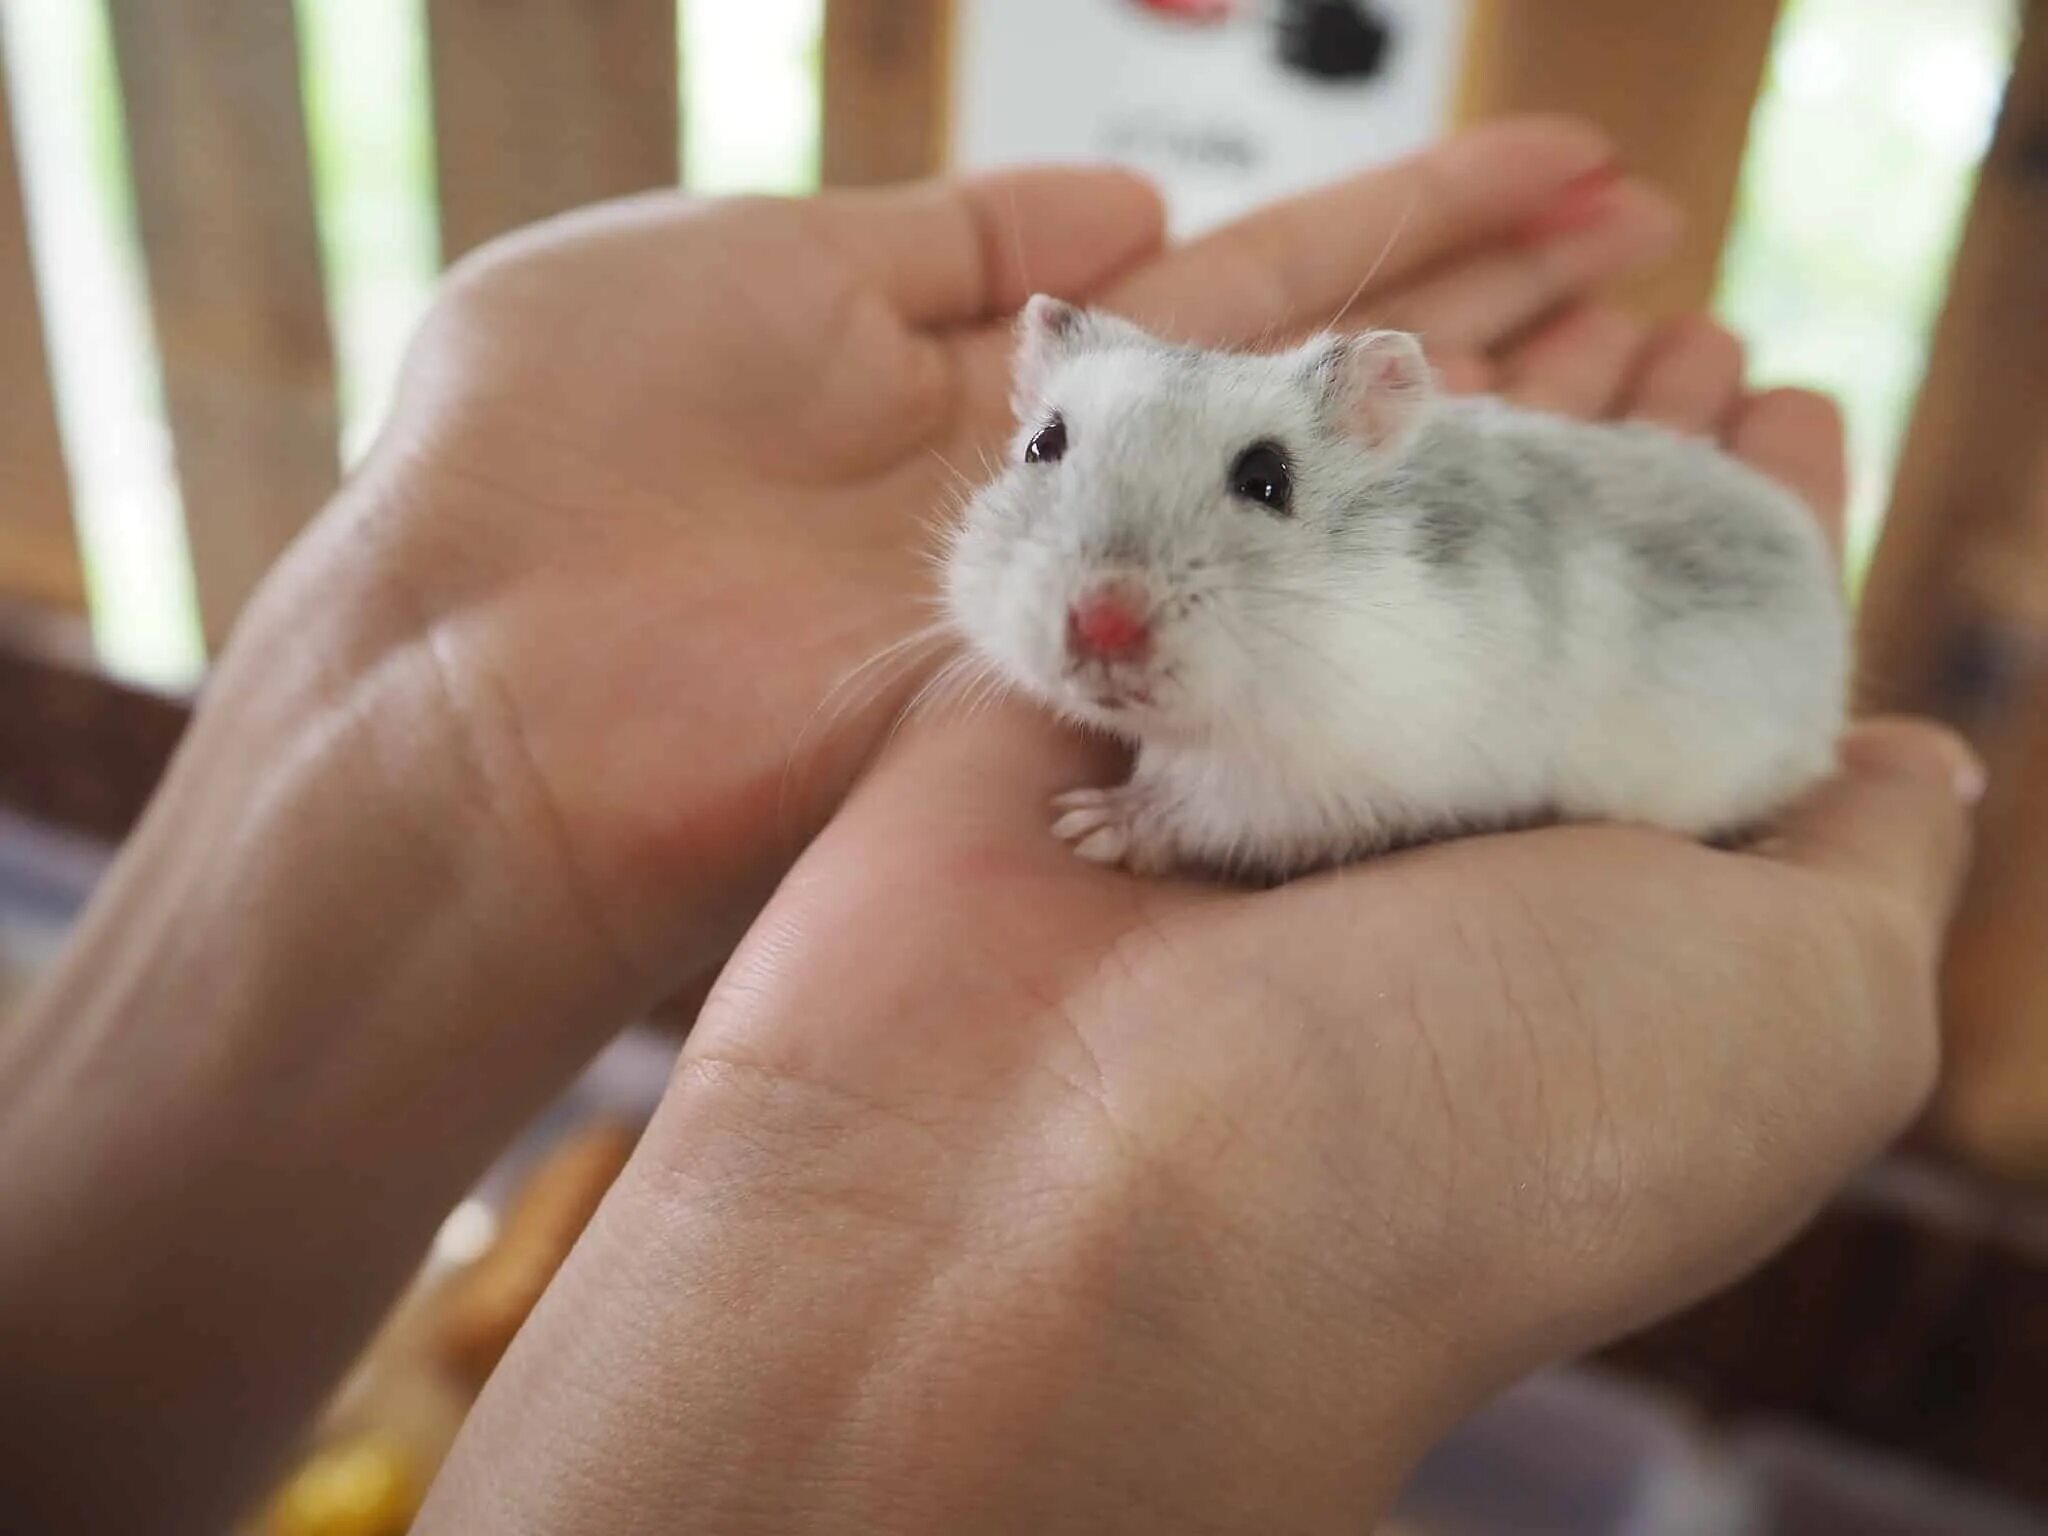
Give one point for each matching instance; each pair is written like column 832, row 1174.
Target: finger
column 991, row 775
column 1485, row 299
column 1897, row 817
column 675, row 1013
column 1795, row 436
column 1690, row 379
column 951, row 252
column 1300, row 263
column 1463, row 373
column 1576, row 365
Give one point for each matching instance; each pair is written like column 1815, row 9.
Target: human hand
column 663, row 474
column 1000, row 1192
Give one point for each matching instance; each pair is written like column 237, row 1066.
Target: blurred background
column 221, row 219
column 1869, row 127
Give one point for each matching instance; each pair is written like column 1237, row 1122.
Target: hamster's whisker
column 868, row 683
column 981, row 684
column 960, row 695
column 939, row 688
column 1312, row 596
column 1306, row 597
column 941, row 530
column 1328, row 663
column 858, row 688
column 953, row 469
column 993, row 690
column 1379, row 262
column 1017, row 242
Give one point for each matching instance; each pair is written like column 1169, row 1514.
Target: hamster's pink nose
column 1108, row 624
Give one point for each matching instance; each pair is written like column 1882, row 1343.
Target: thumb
column 958, row 251
column 987, row 775
column 1896, row 818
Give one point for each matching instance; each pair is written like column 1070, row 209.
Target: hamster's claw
column 1115, row 826
column 1091, row 821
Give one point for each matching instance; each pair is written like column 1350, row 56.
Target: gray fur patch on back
column 1716, row 564
column 1471, row 487
column 1445, row 487
column 1551, row 488
column 1483, row 496
column 1450, row 512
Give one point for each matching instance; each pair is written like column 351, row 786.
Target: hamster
column 1336, row 611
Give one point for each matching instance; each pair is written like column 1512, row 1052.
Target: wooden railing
column 1956, row 619
column 224, row 203
column 1675, row 85
column 539, row 106
column 38, row 554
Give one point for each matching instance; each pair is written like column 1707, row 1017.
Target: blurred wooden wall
column 540, row 107
column 38, row 552
column 224, row 202
column 885, row 109
column 1955, row 621
column 1675, row 85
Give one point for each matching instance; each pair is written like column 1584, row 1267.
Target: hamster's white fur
column 1468, row 616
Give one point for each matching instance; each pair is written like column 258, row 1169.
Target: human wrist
column 1001, row 1322
column 300, row 1015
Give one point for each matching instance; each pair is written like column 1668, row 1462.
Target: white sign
column 1225, row 103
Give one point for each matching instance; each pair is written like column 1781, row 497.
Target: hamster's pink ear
column 1380, row 386
column 1048, row 330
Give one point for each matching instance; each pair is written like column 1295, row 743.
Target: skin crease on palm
column 991, row 1184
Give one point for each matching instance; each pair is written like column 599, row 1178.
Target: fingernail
column 1971, row 780
column 1583, row 200
column 1919, row 752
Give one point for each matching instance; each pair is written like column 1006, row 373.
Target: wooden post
column 1964, row 550
column 541, row 106
column 217, row 137
column 887, row 63
column 1955, row 621
column 1992, row 1108
column 38, row 553
column 1675, row 84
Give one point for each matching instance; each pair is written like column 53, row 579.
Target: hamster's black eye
column 1048, row 444
column 1260, row 474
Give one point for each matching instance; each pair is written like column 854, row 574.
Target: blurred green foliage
column 1864, row 153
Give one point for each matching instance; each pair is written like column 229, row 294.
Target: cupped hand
column 997, row 1191
column 662, row 476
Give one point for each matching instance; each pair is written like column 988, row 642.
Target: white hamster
column 1336, row 611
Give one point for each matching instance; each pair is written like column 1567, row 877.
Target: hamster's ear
column 1379, row 385
column 1049, row 331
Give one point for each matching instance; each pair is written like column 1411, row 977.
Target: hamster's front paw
column 1123, row 825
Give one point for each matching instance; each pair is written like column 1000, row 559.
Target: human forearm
column 313, row 998
column 801, row 1310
